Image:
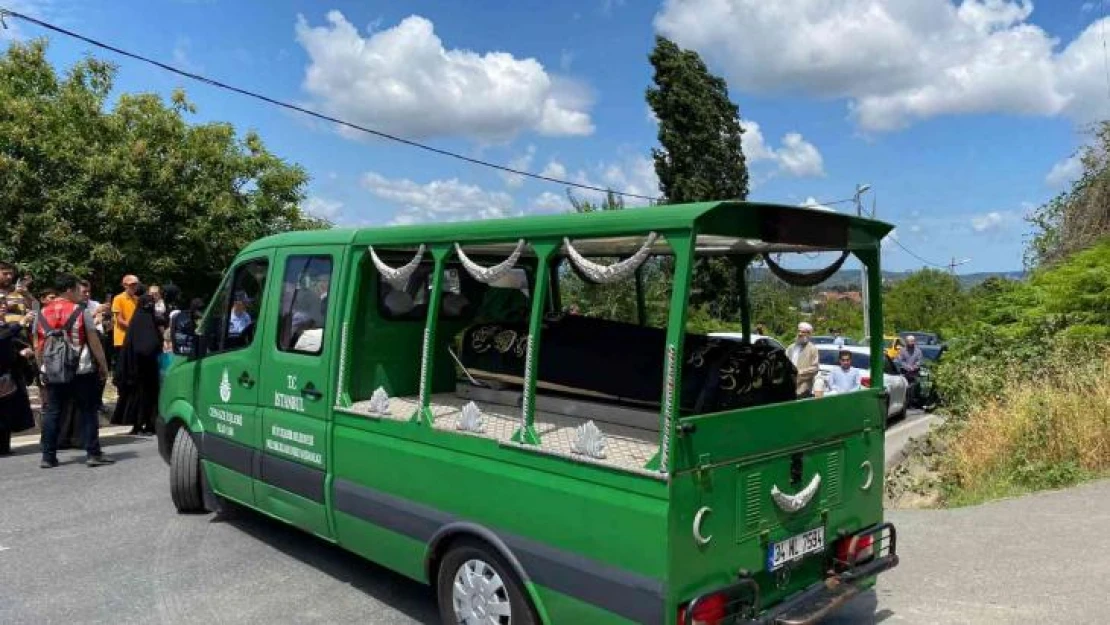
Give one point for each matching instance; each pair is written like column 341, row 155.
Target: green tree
column 105, row 190
column 776, row 305
column 927, row 300
column 700, row 156
column 843, row 316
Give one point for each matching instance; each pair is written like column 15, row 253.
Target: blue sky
column 961, row 115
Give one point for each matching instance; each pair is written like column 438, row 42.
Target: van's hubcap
column 479, row 596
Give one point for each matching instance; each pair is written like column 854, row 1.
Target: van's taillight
column 865, row 381
column 710, row 610
column 854, row 550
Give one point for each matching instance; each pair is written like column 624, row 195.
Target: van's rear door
column 764, row 492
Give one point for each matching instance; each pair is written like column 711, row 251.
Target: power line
column 310, row 112
column 911, row 253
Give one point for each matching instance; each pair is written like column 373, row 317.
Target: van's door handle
column 245, row 380
column 310, row 392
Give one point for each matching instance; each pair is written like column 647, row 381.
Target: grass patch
column 1040, row 432
column 1046, row 431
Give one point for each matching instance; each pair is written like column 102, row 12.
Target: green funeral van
column 430, row 398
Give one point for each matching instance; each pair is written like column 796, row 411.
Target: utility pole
column 860, row 190
column 956, row 263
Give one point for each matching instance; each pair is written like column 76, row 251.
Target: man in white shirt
column 845, row 378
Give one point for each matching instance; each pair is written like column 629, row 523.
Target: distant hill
column 849, row 278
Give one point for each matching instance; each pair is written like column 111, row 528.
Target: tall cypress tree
column 700, row 156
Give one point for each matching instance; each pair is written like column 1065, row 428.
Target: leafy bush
column 1065, row 308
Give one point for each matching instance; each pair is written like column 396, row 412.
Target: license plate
column 795, row 548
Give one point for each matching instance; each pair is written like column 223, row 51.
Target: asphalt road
column 104, row 545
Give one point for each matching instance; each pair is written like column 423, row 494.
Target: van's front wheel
column 476, row 587
column 185, row 473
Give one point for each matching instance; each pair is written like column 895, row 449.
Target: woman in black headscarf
column 15, row 405
column 136, row 375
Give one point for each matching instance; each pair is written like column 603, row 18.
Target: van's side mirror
column 200, row 347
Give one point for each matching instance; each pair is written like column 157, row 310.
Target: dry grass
column 1046, row 432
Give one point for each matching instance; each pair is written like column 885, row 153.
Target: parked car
column 892, row 344
column 896, row 385
column 757, row 339
column 822, row 339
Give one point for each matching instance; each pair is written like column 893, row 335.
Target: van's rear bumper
column 818, row 600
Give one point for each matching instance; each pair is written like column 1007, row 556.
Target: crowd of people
column 68, row 346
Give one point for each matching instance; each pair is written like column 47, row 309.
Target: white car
column 757, row 339
column 896, row 384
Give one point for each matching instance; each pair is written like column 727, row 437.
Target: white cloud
column 566, row 58
column 800, row 157
column 549, row 202
column 403, row 80
column 811, row 202
column 633, row 174
column 323, row 208
column 994, row 221
column 897, row 61
column 1065, row 172
column 796, row 157
column 181, row 55
column 1087, row 7
column 520, row 162
column 438, row 200
column 555, row 169
column 607, row 6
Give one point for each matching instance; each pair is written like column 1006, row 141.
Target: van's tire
column 185, row 473
column 503, row 589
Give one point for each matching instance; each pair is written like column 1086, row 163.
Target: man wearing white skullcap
column 805, row 358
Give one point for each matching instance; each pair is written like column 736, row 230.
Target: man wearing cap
column 804, row 356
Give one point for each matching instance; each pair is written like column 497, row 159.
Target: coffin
column 623, row 362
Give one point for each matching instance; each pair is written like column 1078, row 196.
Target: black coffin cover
column 624, row 362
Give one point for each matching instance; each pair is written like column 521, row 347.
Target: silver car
column 896, row 385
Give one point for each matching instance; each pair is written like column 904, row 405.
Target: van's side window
column 462, row 295
column 304, row 304
column 233, row 316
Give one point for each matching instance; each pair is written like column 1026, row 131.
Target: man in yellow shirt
column 123, row 306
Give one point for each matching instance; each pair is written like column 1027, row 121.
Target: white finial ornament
column 589, row 441
column 379, row 402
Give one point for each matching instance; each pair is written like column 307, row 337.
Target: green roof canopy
column 723, row 228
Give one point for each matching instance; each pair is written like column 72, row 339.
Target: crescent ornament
column 698, row 519
column 490, row 274
column 866, row 467
column 794, row 503
column 399, row 276
column 604, row 274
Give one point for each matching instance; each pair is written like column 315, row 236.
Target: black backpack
column 60, row 356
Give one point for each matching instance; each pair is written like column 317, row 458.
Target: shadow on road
column 415, row 600
column 863, row 610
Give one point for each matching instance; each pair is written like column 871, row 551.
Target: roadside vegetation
column 1024, row 384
